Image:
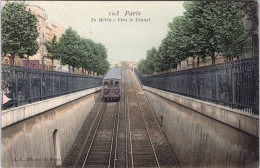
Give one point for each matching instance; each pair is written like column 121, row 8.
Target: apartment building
column 46, row 32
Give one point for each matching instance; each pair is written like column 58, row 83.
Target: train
column 111, row 85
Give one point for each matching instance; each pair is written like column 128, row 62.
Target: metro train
column 111, row 85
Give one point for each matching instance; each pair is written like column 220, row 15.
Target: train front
column 111, row 90
column 112, row 84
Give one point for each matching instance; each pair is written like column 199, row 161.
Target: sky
column 125, row 41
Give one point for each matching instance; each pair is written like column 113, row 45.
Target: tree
column 208, row 28
column 141, row 66
column 93, row 57
column 19, row 31
column 68, row 49
column 151, row 61
column 103, row 68
column 170, row 51
column 50, row 46
column 101, row 63
column 80, row 52
column 88, row 55
column 180, row 43
column 219, row 27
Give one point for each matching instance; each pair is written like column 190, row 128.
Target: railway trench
column 121, row 134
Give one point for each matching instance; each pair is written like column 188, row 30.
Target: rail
column 234, row 84
column 100, row 152
column 23, row 85
column 93, row 138
column 146, row 127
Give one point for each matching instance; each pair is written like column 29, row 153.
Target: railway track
column 100, row 147
column 165, row 156
column 123, row 134
column 121, row 143
column 142, row 151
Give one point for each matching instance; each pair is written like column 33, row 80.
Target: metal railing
column 234, row 84
column 23, row 85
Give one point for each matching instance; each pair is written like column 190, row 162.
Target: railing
column 232, row 84
column 23, row 85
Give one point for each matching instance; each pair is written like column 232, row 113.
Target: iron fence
column 234, row 84
column 22, row 85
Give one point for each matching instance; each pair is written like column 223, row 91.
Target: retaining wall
column 203, row 134
column 41, row 134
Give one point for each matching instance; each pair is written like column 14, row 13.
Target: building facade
column 46, row 32
column 251, row 23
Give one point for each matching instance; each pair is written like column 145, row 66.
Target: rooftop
column 113, row 73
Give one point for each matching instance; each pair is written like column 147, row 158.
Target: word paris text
column 118, row 16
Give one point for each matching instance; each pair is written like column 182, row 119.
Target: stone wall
column 44, row 139
column 200, row 140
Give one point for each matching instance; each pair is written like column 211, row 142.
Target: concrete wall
column 44, row 139
column 241, row 120
column 199, row 140
column 17, row 114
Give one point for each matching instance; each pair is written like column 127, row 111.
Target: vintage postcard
column 130, row 84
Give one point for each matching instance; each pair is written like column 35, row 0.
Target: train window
column 117, row 84
column 111, row 83
column 105, row 84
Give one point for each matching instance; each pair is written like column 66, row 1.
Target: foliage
column 178, row 45
column 68, row 49
column 207, row 28
column 142, row 66
column 80, row 52
column 150, row 64
column 249, row 8
column 19, row 31
column 93, row 57
column 151, row 60
column 87, row 55
column 219, row 25
column 102, row 64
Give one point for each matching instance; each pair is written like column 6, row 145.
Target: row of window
column 110, row 84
